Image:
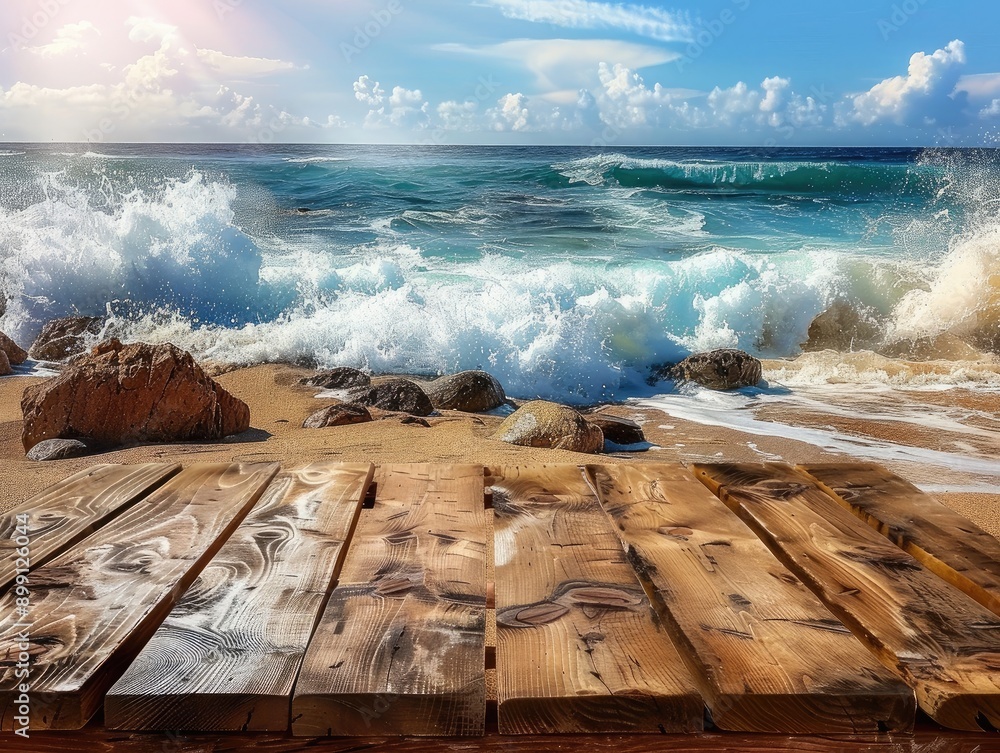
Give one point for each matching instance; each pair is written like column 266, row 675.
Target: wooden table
column 342, row 607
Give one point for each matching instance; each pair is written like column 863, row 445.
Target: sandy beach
column 279, row 405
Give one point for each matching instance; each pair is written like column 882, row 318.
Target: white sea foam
column 315, row 160
column 171, row 264
column 735, row 411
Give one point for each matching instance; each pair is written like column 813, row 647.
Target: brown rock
column 842, row 327
column 621, row 431
column 468, row 391
column 343, row 414
column 725, row 369
column 62, row 338
column 5, row 368
column 131, row 393
column 543, row 424
column 341, row 378
column 15, row 355
column 400, row 395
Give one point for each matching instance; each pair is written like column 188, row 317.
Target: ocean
column 569, row 273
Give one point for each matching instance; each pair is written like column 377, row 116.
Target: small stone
column 620, row 431
column 543, row 424
column 467, row 391
column 57, row 449
column 341, row 378
column 725, row 369
column 343, row 414
column 414, row 421
column 15, row 354
column 5, row 368
column 400, row 395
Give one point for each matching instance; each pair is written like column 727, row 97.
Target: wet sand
column 279, row 406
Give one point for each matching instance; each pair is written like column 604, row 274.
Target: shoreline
column 279, row 406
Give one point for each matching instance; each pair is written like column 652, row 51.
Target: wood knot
column 531, row 616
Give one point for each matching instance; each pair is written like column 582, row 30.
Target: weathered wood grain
column 925, row 739
column 400, row 649
column 94, row 607
column 579, row 647
column 944, row 644
column 71, row 510
column 227, row 656
column 945, row 542
column 770, row 657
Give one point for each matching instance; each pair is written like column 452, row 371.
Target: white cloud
column 925, row 95
column 642, row 20
column 403, row 108
column 369, row 92
column 241, row 67
column 458, row 116
column 68, row 39
column 992, row 110
column 566, row 65
column 173, row 89
column 143, row 29
column 980, row 85
column 407, row 108
column 626, row 101
column 510, row 114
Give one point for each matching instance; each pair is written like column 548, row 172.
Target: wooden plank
column 68, row 512
column 770, row 657
column 945, row 645
column 401, row 648
column 94, row 607
column 227, row 656
column 926, row 738
column 945, row 542
column 579, row 648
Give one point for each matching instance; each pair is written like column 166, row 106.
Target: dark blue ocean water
column 568, row 272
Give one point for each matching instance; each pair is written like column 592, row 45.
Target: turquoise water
column 567, row 272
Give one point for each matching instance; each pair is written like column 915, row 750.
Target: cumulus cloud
column 458, row 116
column 403, row 108
column 369, row 92
column 626, row 102
column 510, row 114
column 992, row 110
column 69, row 39
column 925, row 95
column 641, row 20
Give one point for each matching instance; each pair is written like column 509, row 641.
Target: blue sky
column 759, row 72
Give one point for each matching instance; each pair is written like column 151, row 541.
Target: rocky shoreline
column 118, row 395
